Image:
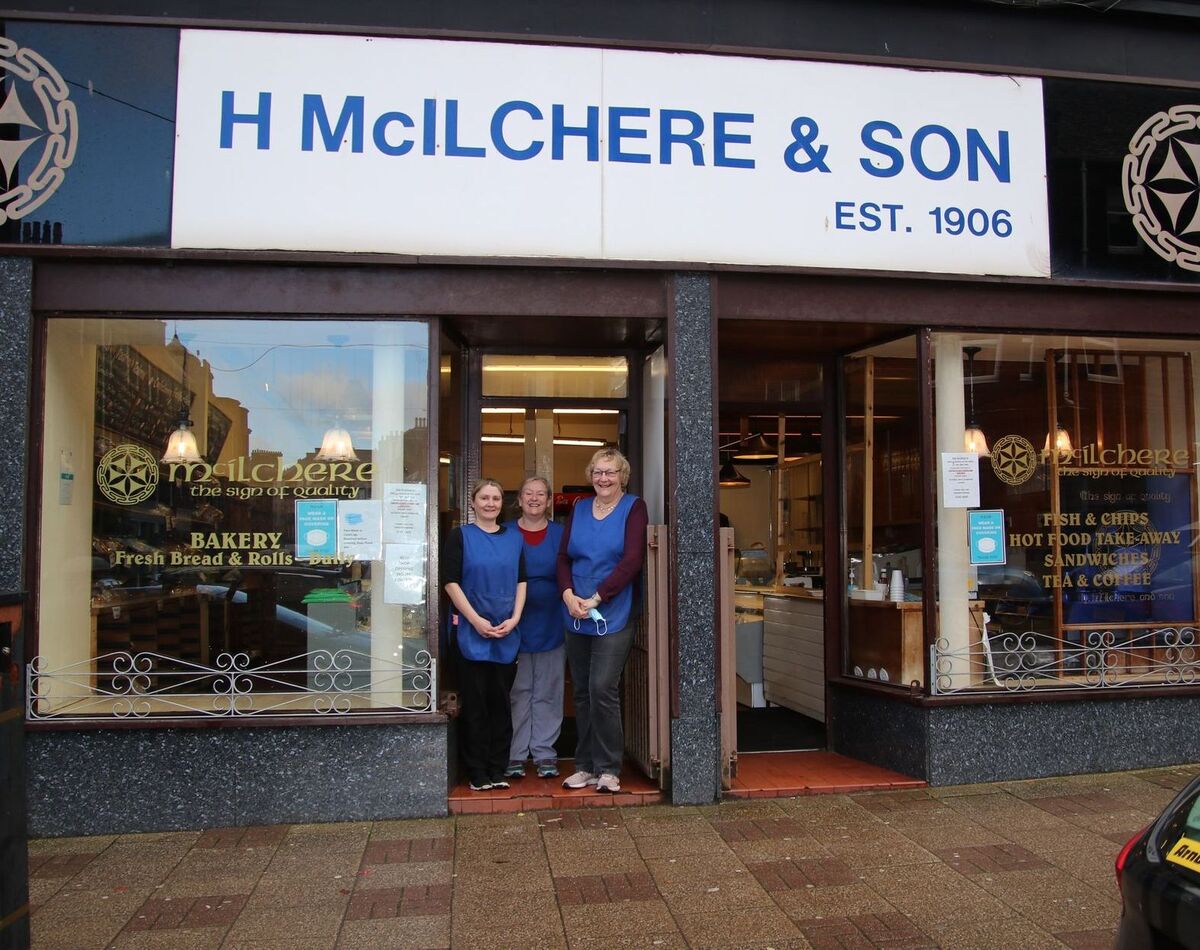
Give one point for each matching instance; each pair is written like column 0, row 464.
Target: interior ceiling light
column 973, row 439
column 501, row 411
column 730, row 477
column 585, row 412
column 597, row 443
column 756, row 448
column 508, row 439
column 181, row 446
column 336, row 446
column 554, row 368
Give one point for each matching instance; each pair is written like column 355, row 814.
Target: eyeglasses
column 604, row 473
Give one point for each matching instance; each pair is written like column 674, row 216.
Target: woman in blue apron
column 537, row 693
column 483, row 568
column 599, row 562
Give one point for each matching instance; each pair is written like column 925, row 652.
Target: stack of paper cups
column 897, row 589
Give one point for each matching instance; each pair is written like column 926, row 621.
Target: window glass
column 884, row 514
column 1183, row 821
column 556, row 442
column 119, row 83
column 233, row 518
column 585, row 377
column 1073, row 566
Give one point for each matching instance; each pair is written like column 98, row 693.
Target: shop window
column 1066, row 547
column 581, row 377
column 884, row 515
column 233, row 519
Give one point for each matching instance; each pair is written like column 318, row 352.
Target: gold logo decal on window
column 1014, row 459
column 127, row 474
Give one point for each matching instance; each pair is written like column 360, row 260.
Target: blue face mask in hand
column 598, row 619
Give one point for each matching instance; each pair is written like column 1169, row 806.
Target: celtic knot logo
column 26, row 78
column 1160, row 181
column 127, row 474
column 1014, row 460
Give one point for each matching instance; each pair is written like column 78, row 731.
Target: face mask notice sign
column 412, row 146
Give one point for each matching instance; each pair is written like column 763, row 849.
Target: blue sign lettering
column 617, row 132
column 313, row 114
column 261, row 119
column 559, row 130
column 498, row 139
column 723, row 137
column 667, row 136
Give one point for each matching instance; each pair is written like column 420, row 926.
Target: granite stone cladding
column 119, row 781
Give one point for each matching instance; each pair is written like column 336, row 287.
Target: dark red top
column 534, row 538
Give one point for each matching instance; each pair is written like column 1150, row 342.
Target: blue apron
column 491, row 565
column 595, row 549
column 541, row 621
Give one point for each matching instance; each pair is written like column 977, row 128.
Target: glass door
column 556, row 442
column 547, row 415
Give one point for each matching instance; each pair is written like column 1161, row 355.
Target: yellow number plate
column 1187, row 853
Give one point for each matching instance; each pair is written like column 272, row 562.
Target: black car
column 1158, row 872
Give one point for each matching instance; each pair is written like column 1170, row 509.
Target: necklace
column 603, row 508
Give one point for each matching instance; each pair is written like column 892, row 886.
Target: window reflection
column 1089, row 580
column 884, row 515
column 279, row 569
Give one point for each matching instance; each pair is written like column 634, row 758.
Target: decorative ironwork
column 149, row 686
column 1082, row 659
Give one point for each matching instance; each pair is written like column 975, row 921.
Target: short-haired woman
column 483, row 569
column 537, row 692
column 598, row 564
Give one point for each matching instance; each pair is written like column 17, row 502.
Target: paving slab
column 981, row 867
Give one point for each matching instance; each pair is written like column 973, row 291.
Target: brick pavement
column 1014, row 864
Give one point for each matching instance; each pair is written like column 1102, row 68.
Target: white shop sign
column 335, row 143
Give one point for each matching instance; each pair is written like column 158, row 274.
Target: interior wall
column 750, row 509
column 65, row 581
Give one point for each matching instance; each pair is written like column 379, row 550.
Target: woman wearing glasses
column 598, row 564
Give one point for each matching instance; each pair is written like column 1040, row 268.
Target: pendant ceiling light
column 973, row 438
column 181, row 446
column 336, row 446
column 730, row 477
column 756, row 449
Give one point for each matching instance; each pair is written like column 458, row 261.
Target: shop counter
column 794, row 650
column 886, row 638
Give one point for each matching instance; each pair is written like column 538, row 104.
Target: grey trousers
column 536, row 700
column 596, row 666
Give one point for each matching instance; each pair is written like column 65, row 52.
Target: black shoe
column 480, row 785
column 499, row 782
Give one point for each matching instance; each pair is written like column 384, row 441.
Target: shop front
column 908, row 390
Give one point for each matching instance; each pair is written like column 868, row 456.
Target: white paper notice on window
column 403, row 513
column 404, row 573
column 960, row 480
column 358, row 530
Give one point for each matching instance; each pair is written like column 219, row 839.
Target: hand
column 484, row 628
column 576, row 606
column 504, row 629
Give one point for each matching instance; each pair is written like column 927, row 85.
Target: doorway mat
column 778, row 729
column 786, row 774
column 546, row 794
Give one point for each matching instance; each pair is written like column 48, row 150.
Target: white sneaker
column 608, row 783
column 579, row 780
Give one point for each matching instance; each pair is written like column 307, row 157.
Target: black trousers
column 485, row 718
